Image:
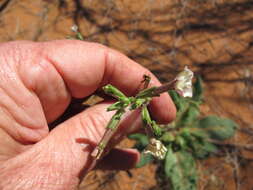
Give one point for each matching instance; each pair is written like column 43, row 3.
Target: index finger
column 86, row 67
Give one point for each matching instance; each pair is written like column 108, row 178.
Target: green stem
column 110, row 131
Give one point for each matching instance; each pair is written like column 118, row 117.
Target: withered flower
column 183, row 83
column 156, row 148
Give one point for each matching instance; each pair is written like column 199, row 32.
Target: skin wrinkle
column 75, row 155
column 10, row 147
column 88, row 123
column 91, row 129
column 52, row 171
column 98, row 119
column 50, row 181
column 100, row 132
column 97, row 133
column 51, row 165
column 12, row 70
column 5, row 113
column 13, row 131
column 68, row 163
column 19, row 132
column 58, row 166
column 87, row 133
column 17, row 108
column 63, row 164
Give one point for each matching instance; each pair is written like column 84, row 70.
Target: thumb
column 59, row 160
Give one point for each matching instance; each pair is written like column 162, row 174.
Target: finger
column 119, row 159
column 64, row 153
column 85, row 67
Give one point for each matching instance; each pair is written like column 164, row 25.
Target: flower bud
column 156, row 148
column 183, row 83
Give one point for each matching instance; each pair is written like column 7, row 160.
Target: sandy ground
column 213, row 37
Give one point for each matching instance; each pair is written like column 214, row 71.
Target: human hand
column 37, row 81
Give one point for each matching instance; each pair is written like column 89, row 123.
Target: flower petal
column 184, row 82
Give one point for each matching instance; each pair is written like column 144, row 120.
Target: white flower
column 74, row 28
column 156, row 148
column 184, row 82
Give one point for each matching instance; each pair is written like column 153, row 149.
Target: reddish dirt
column 213, row 37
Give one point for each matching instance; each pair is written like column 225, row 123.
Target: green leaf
column 196, row 143
column 178, row 100
column 116, row 106
column 141, row 140
column 145, row 116
column 145, row 159
column 189, row 116
column 180, row 167
column 138, row 103
column 167, row 137
column 79, row 36
column 187, row 110
column 210, row 147
column 217, row 128
column 196, row 132
column 203, row 150
column 198, row 89
column 116, row 93
column 156, row 129
column 180, row 141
